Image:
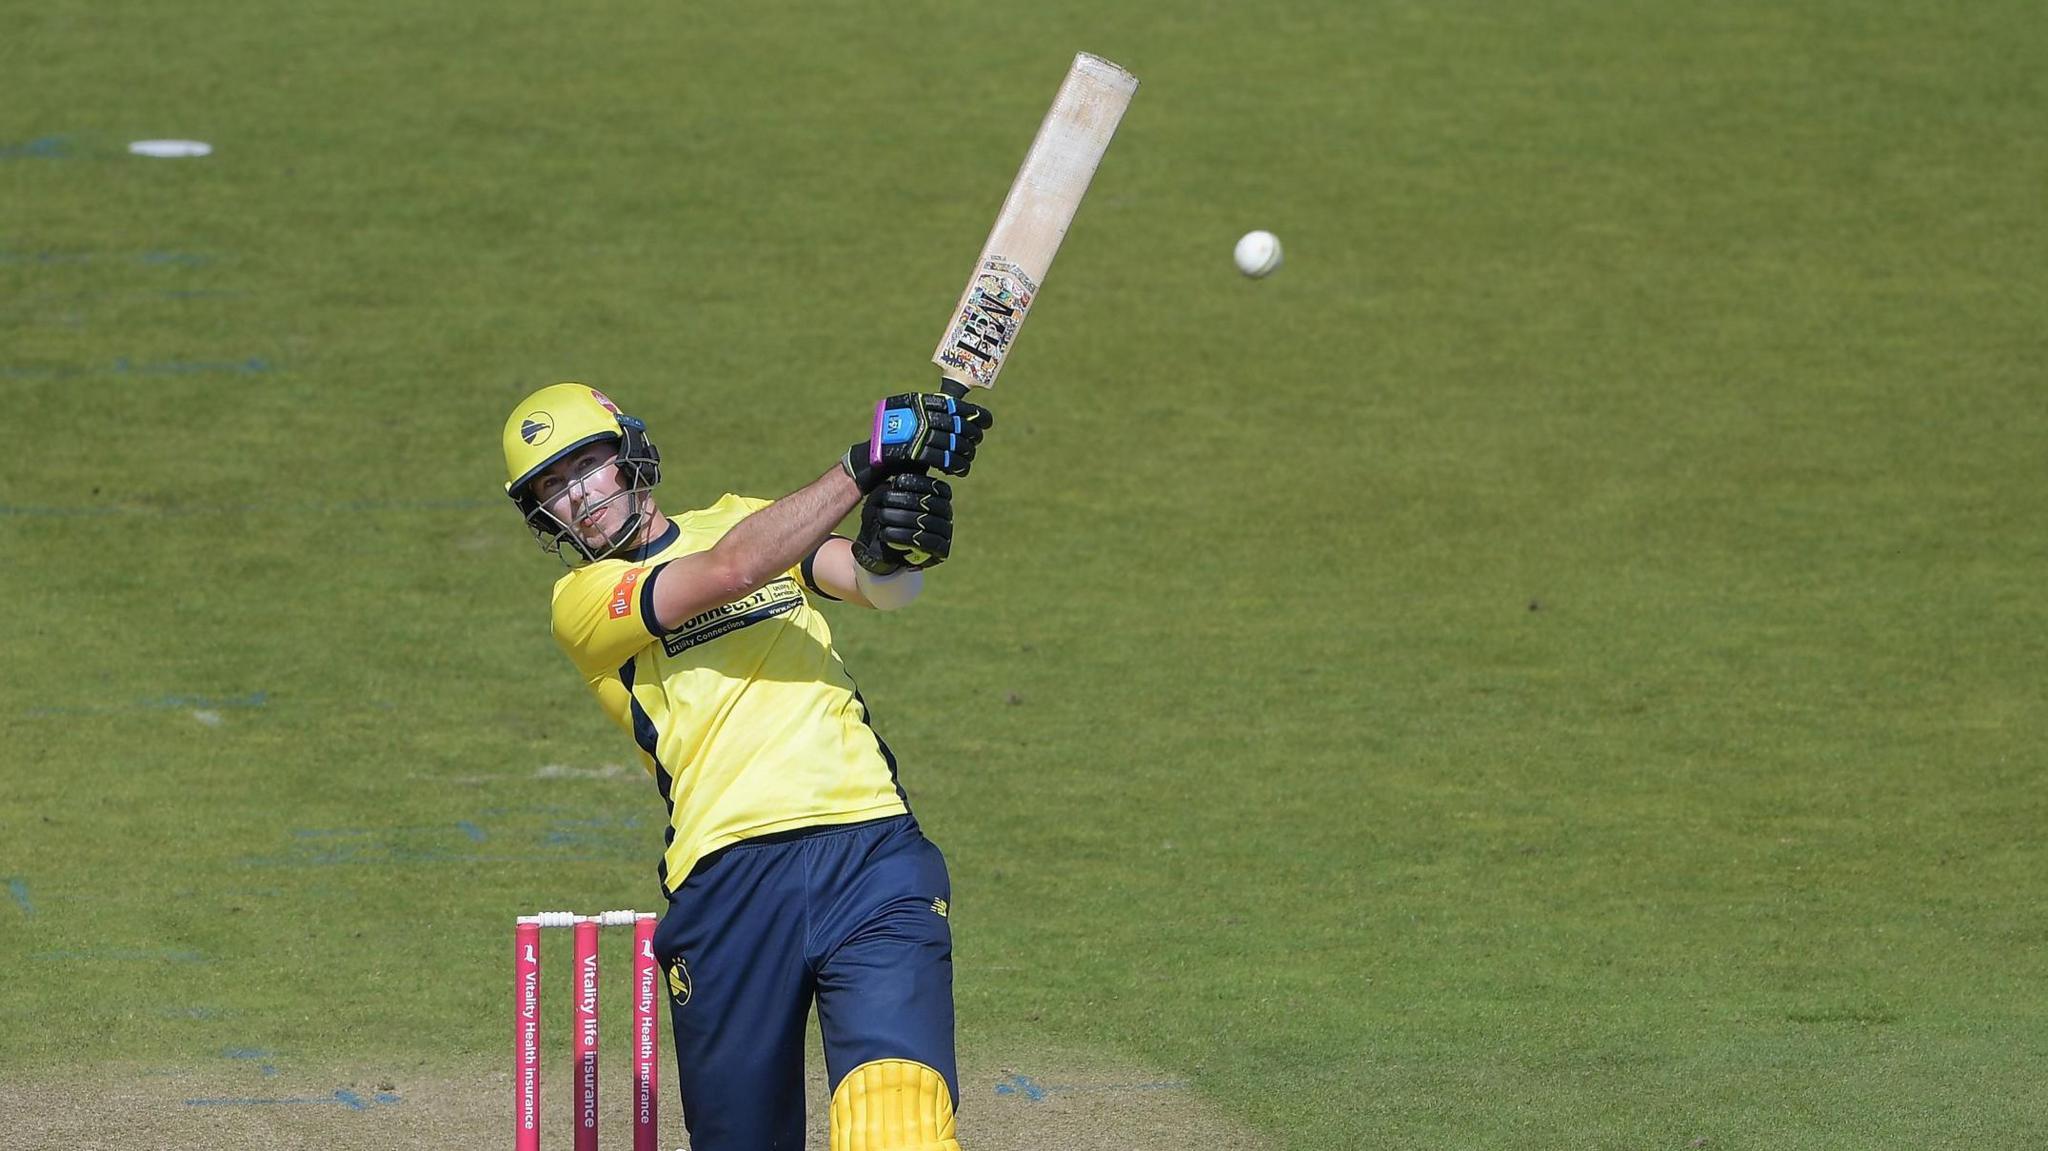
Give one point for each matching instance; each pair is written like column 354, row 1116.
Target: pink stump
column 526, row 1037
column 586, row 1035
column 646, row 1035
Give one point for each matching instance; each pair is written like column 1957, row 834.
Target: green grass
column 1559, row 664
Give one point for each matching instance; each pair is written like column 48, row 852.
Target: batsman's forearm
column 779, row 536
column 756, row 550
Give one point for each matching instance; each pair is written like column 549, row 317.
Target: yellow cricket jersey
column 744, row 714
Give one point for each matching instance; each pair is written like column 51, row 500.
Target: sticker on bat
column 988, row 320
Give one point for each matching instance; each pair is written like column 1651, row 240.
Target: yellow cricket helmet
column 557, row 420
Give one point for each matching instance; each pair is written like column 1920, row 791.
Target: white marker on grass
column 171, row 149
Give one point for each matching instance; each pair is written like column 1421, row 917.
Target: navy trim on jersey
column 888, row 757
column 656, row 545
column 649, row 739
column 647, row 619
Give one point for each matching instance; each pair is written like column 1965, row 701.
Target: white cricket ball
column 1258, row 254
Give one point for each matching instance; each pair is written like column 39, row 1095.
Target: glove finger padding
column 968, row 417
column 945, row 441
column 925, row 550
column 906, row 522
column 908, row 540
column 899, row 527
column 884, row 501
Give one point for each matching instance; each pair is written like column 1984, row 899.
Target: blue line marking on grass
column 124, row 955
column 321, row 507
column 1037, row 1092
column 254, row 1055
column 570, row 841
column 342, row 1096
column 162, row 703
column 390, row 858
column 46, row 298
column 123, row 366
column 587, row 832
column 1022, row 1085
column 254, row 364
column 40, row 148
column 18, row 888
column 156, row 258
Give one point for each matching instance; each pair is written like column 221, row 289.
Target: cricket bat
column 1027, row 233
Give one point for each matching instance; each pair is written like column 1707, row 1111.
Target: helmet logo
column 537, row 427
column 605, row 401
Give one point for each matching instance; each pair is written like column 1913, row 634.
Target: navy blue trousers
column 853, row 917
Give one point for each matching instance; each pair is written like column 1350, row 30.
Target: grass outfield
column 1559, row 664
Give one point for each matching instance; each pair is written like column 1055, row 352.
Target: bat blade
column 1027, row 232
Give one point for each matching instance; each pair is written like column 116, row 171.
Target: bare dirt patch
column 1022, row 1102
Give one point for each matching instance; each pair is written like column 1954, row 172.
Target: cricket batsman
column 792, row 866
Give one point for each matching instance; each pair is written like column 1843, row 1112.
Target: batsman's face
column 583, row 490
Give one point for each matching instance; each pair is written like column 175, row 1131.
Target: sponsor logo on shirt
column 778, row 598
column 622, row 595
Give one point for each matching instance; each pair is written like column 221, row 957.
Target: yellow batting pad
column 893, row 1105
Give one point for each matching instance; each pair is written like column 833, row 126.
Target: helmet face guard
column 557, row 421
column 560, row 537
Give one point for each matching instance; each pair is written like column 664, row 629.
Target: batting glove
column 914, row 432
column 905, row 523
